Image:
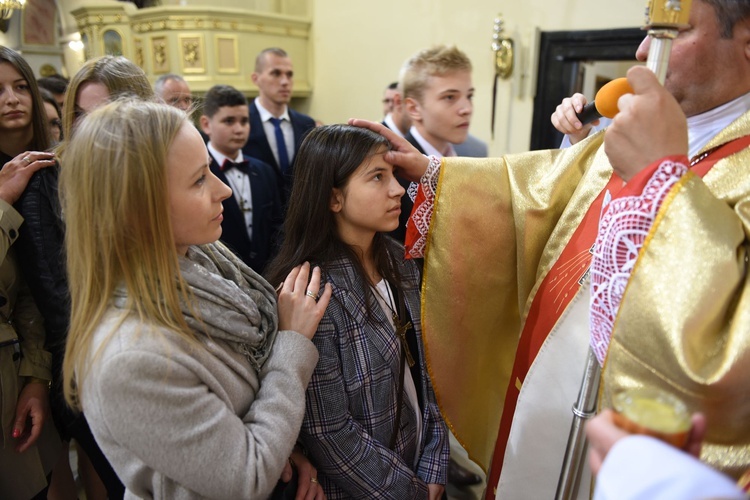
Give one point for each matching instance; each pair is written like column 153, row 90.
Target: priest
column 508, row 245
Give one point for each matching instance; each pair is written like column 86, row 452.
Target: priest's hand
column 409, row 162
column 649, row 126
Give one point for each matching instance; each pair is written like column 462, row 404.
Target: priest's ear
column 741, row 31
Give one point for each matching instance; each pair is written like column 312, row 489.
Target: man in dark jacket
column 276, row 131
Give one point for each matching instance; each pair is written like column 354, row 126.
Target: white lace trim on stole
column 622, row 231
column 422, row 213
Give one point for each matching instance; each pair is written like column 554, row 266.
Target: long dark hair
column 41, row 139
column 327, row 158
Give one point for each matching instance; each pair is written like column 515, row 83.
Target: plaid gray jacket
column 352, row 398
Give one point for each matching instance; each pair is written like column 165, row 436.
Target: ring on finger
column 27, row 159
column 314, row 480
column 312, row 294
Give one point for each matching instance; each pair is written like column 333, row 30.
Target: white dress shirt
column 388, row 120
column 428, row 148
column 240, row 184
column 286, row 129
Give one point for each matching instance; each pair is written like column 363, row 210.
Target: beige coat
column 21, row 475
column 181, row 422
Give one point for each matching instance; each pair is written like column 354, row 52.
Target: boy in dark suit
column 252, row 215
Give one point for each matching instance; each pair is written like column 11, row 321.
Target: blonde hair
column 114, row 195
column 436, row 61
column 121, row 77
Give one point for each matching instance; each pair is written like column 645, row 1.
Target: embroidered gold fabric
column 684, row 322
column 498, row 226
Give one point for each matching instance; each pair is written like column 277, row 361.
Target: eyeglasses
column 183, row 102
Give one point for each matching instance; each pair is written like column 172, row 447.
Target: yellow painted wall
column 358, row 47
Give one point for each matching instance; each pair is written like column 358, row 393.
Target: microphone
column 605, row 102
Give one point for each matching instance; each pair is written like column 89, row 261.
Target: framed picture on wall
column 192, row 53
column 112, row 40
column 38, row 26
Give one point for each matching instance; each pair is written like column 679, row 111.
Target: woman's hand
column 32, row 411
column 15, row 174
column 410, row 163
column 435, row 491
column 300, row 308
column 308, row 487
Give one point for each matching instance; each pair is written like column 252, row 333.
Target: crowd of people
column 153, row 279
column 242, row 304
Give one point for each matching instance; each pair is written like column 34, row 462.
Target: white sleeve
column 644, row 468
column 603, row 123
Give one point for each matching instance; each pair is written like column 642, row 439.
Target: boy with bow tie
column 252, row 216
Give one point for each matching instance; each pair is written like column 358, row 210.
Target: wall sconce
column 503, row 48
column 7, row 7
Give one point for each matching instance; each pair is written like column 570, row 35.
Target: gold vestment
column 498, row 227
column 684, row 321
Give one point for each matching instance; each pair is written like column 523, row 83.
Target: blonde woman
column 192, row 382
column 40, row 249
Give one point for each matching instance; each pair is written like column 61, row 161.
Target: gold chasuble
column 684, row 321
column 499, row 268
column 499, row 225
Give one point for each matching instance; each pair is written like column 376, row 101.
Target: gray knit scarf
column 232, row 302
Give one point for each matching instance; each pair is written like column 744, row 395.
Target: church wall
column 290, row 7
column 358, row 48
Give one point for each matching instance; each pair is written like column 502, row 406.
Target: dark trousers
column 73, row 425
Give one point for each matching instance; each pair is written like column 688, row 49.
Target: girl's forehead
column 7, row 70
column 375, row 159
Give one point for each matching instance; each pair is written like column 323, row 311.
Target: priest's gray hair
column 729, row 13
